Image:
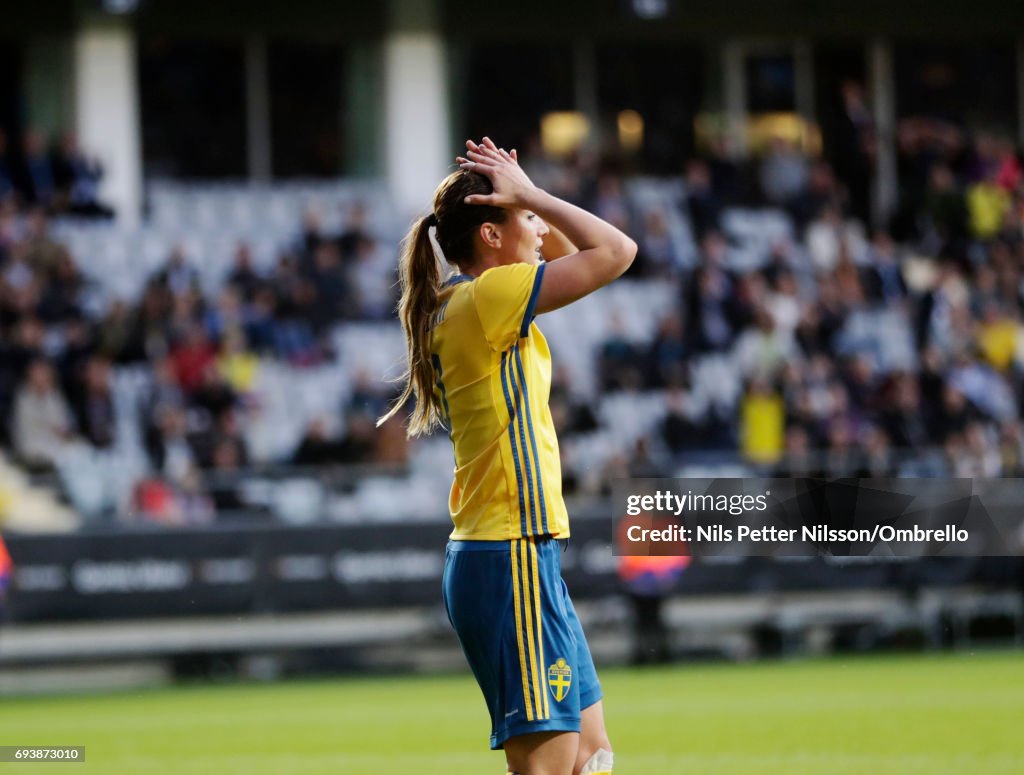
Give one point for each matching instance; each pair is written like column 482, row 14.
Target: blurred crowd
column 58, row 361
column 945, row 271
column 57, row 177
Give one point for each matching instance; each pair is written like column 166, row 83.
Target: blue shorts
column 519, row 631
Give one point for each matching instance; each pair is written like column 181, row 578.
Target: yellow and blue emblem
column 560, row 679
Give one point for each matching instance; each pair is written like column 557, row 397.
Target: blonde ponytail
column 419, row 274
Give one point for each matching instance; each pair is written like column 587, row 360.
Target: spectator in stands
column 58, row 298
column 856, row 147
column 783, row 174
column 946, row 213
column 783, row 302
column 163, row 392
column 709, row 300
column 763, row 349
column 42, row 419
column 357, row 443
column 168, row 444
column 726, row 175
column 877, row 461
column 884, row 282
column 702, row 203
column 195, row 505
column 243, row 277
column 260, row 326
column 39, row 250
column 38, row 184
column 310, row 234
column 94, row 406
column 832, row 239
column 903, row 417
column 980, row 457
column 798, row 460
column 822, row 191
column 332, row 297
column 153, row 500
column 571, row 413
column 842, row 457
column 860, row 380
column 997, row 336
column 77, row 179
column 237, row 365
column 658, row 255
column 214, row 396
column 644, row 462
column 1011, row 449
column 17, row 350
column 620, row 365
column 226, row 317
column 178, row 276
column 369, row 396
column 610, row 202
column 356, row 230
column 228, row 457
column 667, row 355
column 953, row 416
column 373, row 278
column 678, row 431
column 79, row 348
column 762, row 423
column 193, row 358
column 317, row 447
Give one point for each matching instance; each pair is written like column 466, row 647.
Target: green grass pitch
column 907, row 714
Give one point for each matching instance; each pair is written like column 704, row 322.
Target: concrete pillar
column 885, row 193
column 47, row 85
column 257, row 109
column 361, row 110
column 417, row 150
column 107, row 111
column 734, row 87
column 803, row 67
column 584, row 76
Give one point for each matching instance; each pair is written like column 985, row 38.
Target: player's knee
column 596, row 759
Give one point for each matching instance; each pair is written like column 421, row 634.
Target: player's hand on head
column 512, row 186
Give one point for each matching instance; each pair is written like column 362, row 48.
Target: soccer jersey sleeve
column 505, row 299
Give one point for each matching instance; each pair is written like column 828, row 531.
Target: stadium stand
column 242, row 329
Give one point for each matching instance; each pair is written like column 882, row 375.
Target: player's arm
column 602, row 252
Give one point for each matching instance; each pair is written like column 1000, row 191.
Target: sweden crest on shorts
column 560, row 679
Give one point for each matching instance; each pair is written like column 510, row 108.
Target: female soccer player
column 480, row 367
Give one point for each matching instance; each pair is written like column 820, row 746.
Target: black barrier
column 249, row 569
column 131, row 573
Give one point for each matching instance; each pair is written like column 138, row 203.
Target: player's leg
column 595, row 749
column 542, row 753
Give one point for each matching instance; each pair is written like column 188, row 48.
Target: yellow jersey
column 492, row 370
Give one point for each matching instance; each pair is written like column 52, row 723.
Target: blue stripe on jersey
column 512, row 441
column 534, row 524
column 458, row 278
column 436, row 360
column 533, row 441
column 532, row 303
